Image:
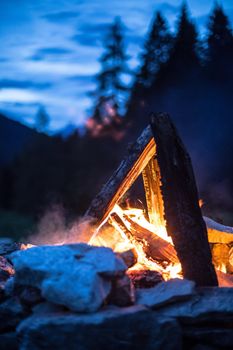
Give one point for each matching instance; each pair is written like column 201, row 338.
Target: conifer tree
column 220, row 41
column 156, row 50
column 185, row 44
column 41, row 119
column 110, row 86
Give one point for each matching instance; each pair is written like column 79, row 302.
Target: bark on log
column 183, row 217
column 137, row 158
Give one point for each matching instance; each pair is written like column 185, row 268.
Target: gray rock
column 7, row 246
column 145, row 278
column 11, row 313
column 165, row 293
column 6, row 269
column 29, row 296
column 77, row 276
column 129, row 257
column 9, row 341
column 80, row 289
column 209, row 303
column 132, row 328
column 122, row 293
column 211, row 336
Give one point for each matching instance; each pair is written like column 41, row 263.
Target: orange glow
column 119, row 241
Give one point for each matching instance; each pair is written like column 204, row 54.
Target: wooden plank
column 152, row 181
column 130, row 168
column 183, row 217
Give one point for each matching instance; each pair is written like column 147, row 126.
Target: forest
column 185, row 73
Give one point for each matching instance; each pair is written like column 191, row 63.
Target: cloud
column 49, row 52
column 91, row 34
column 24, row 84
column 61, row 16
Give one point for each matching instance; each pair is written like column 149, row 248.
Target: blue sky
column 50, row 49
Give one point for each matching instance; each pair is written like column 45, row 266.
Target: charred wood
column 183, row 216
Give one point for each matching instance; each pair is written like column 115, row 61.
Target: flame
column 124, row 243
column 222, row 268
column 201, row 203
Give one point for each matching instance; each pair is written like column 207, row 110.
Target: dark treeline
column 189, row 77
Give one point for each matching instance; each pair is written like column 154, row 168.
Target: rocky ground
column 81, row 297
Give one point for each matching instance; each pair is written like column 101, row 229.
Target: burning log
column 154, row 247
column 184, row 221
column 154, row 200
column 121, row 180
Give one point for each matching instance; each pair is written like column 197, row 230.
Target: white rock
column 77, row 276
column 165, row 293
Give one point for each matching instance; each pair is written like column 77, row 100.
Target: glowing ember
column 124, row 242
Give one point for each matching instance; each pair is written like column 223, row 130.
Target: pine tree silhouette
column 220, row 43
column 184, row 53
column 42, row 120
column 156, row 50
column 110, row 86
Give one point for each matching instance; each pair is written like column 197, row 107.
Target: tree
column 220, row 42
column 110, row 86
column 184, row 53
column 41, row 119
column 156, row 50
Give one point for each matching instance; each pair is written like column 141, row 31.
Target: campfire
column 170, row 235
column 123, row 284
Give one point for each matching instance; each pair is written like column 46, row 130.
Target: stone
column 6, row 269
column 145, row 278
column 122, row 293
column 211, row 336
column 11, row 313
column 131, row 328
column 77, row 276
column 129, row 257
column 165, row 293
column 30, row 296
column 9, row 341
column 213, row 303
column 81, row 289
column 2, row 291
column 7, row 246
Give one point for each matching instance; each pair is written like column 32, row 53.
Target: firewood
column 130, row 168
column 154, row 247
column 152, row 181
column 182, row 213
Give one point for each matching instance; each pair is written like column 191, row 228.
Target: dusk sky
column 50, row 49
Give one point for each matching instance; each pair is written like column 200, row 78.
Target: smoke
column 53, row 229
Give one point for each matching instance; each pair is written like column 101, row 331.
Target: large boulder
column 77, row 276
column 131, row 328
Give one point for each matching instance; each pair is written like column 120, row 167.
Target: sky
column 50, row 50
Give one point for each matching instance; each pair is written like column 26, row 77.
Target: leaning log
column 183, row 216
column 130, row 168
